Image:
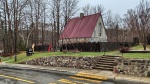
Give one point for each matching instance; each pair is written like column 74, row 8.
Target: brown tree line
column 24, row 22
column 135, row 23
column 88, row 9
column 138, row 21
column 11, row 12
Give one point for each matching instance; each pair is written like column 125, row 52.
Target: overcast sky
column 117, row 6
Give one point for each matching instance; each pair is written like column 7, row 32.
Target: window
column 100, row 27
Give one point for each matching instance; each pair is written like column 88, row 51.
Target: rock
column 65, row 61
column 148, row 74
column 115, row 64
column 124, row 66
column 149, row 68
column 137, row 67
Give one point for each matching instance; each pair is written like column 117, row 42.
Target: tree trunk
column 144, row 46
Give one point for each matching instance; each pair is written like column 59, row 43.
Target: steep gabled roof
column 80, row 27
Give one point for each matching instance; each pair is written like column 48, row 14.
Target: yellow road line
column 91, row 76
column 17, row 79
column 90, row 80
column 52, row 83
column 67, row 81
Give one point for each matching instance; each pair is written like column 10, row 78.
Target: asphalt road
column 8, row 76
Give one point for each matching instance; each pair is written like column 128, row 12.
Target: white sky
column 117, row 6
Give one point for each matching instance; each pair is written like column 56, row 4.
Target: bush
column 124, row 49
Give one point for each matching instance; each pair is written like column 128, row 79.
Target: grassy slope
column 140, row 47
column 138, row 55
column 22, row 56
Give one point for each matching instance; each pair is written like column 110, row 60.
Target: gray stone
column 148, row 74
column 148, row 68
column 65, row 61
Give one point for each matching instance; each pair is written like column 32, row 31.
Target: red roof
column 80, row 27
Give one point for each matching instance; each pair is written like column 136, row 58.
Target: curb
column 68, row 73
column 38, row 70
column 114, row 79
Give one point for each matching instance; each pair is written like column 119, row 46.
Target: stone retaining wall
column 65, row 61
column 137, row 67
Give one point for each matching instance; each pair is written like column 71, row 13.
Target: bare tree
column 24, row 21
column 130, row 20
column 61, row 12
column 12, row 11
column 98, row 9
column 113, row 25
column 55, row 7
column 69, row 9
column 35, row 21
column 88, row 9
column 138, row 20
column 144, row 16
column 43, row 21
column 37, row 7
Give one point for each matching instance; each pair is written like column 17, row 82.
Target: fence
column 89, row 47
column 41, row 48
column 96, row 46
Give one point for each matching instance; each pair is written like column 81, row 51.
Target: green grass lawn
column 140, row 47
column 22, row 56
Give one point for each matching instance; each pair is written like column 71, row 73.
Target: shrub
column 124, row 49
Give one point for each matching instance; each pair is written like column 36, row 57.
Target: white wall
column 96, row 37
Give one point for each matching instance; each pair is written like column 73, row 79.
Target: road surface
column 9, row 76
